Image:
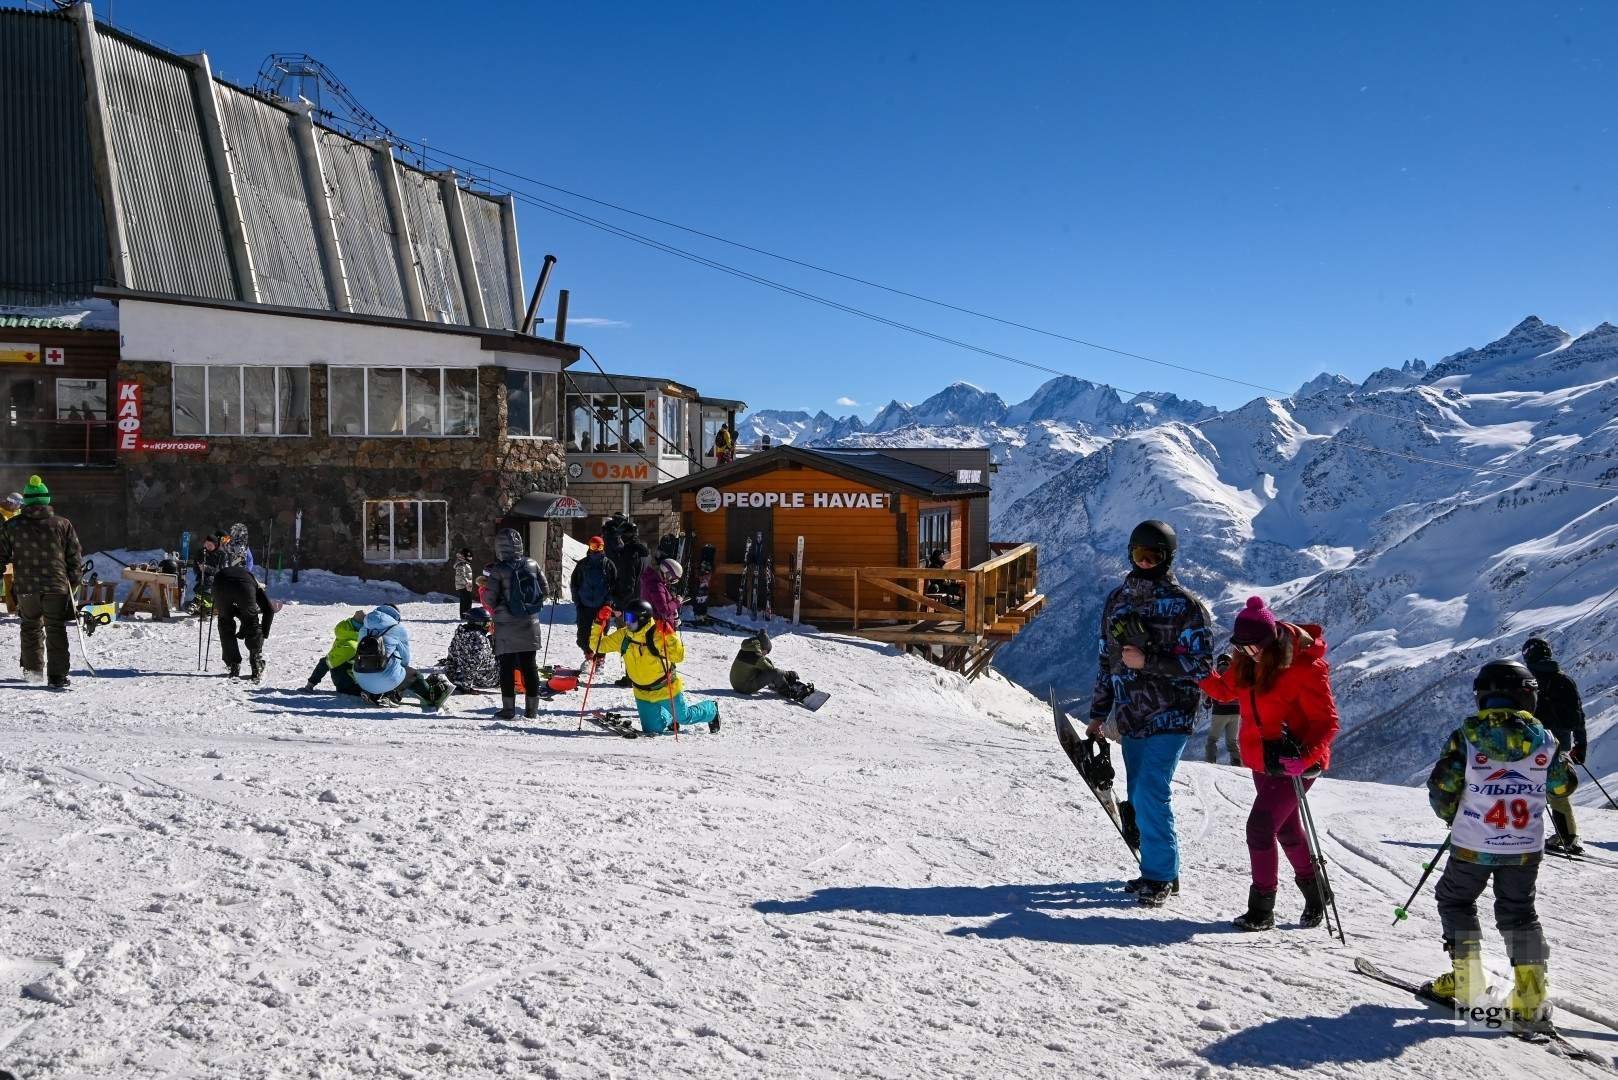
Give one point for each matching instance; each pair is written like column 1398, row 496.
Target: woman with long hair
column 1279, row 678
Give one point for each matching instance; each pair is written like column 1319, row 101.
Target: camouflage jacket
column 1173, row 628
column 1505, row 735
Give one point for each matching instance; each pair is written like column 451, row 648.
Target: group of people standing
column 1498, row 771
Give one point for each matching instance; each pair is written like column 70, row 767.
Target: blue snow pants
column 655, row 719
column 1150, row 763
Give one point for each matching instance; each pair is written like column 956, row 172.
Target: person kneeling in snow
column 339, row 661
column 753, row 670
column 382, row 662
column 651, row 650
column 471, row 664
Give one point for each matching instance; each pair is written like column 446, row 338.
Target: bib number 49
column 1514, row 814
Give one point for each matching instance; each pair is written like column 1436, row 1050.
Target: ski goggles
column 1141, row 555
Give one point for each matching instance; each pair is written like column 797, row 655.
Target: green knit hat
column 36, row 493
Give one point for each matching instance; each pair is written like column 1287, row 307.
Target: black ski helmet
column 639, row 614
column 1156, row 534
column 1536, row 650
column 1507, row 678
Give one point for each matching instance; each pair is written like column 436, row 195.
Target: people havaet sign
column 710, row 499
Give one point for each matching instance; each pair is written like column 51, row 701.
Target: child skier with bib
column 1491, row 784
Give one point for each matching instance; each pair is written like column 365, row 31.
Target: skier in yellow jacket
column 651, row 651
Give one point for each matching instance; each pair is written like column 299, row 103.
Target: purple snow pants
column 1275, row 817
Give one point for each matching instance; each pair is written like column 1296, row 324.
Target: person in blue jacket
column 382, row 662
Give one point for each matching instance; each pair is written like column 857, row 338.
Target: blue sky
column 1267, row 190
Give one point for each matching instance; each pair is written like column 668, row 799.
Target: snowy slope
column 211, row 880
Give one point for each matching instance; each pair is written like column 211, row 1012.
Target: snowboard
column 1093, row 760
column 616, row 722
column 746, row 578
column 1545, row 1035
column 814, row 700
column 699, row 603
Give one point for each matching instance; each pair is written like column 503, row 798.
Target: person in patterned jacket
column 1491, row 785
column 43, row 549
column 1156, row 643
column 471, row 664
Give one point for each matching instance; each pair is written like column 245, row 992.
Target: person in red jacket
column 1281, row 682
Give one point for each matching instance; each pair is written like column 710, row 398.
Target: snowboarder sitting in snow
column 656, row 588
column 382, row 662
column 1280, row 680
column 753, row 670
column 1491, row 785
column 471, row 664
column 339, row 660
column 651, row 650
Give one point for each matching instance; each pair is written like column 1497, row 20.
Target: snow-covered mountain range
column 1352, row 504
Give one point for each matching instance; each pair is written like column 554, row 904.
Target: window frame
column 393, row 526
column 241, row 400
column 404, row 389
column 930, row 517
column 557, row 425
column 106, row 399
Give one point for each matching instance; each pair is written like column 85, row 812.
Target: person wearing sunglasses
column 1279, row 679
column 1156, row 643
column 651, row 649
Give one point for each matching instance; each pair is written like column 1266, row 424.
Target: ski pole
column 668, row 684
column 550, row 626
column 207, row 642
column 1597, row 783
column 1403, row 910
column 589, row 680
column 1319, row 858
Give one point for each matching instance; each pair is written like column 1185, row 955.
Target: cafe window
column 239, row 400
column 671, row 426
column 406, row 530
column 386, row 402
column 579, row 431
column 932, row 533
column 531, row 404
column 711, row 424
column 81, row 399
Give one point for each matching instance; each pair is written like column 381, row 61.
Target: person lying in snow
column 753, row 670
column 339, row 660
column 382, row 662
column 651, row 650
column 471, row 664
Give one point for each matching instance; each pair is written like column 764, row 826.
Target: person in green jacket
column 339, row 662
column 753, row 670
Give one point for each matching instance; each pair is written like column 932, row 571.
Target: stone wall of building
column 264, row 481
column 604, row 500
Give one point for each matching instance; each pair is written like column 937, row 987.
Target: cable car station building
column 869, row 519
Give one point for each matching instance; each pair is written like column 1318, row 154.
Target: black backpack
column 371, row 657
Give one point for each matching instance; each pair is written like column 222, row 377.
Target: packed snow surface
column 208, row 879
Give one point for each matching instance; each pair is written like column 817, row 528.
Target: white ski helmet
column 671, row 570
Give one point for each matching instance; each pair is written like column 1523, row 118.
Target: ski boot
column 1527, row 1001
column 1316, row 895
column 713, row 725
column 1133, row 885
column 1563, row 845
column 1154, row 893
column 234, row 671
column 1260, row 913
column 508, row 708
column 256, row 667
column 1464, row 983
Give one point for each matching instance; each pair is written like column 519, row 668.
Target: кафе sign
column 710, row 499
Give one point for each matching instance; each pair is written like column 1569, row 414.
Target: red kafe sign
column 127, row 421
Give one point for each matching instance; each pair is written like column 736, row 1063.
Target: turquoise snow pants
column 1151, row 762
column 655, row 719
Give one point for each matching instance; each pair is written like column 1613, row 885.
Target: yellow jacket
column 649, row 666
column 7, row 515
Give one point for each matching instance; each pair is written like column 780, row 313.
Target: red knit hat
column 1255, row 624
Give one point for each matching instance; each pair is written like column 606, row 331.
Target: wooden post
column 856, row 601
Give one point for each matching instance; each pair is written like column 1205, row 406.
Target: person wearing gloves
column 382, row 662
column 651, row 652
column 514, row 598
column 236, row 598
column 339, row 659
column 656, row 588
column 594, row 583
column 753, row 670
column 1279, row 678
column 1561, row 710
column 471, row 664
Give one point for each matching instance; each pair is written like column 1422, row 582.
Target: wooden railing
column 994, row 599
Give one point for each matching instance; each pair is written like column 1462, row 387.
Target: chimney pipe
column 561, row 315
column 539, row 294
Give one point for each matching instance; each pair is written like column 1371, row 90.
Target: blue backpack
column 527, row 595
column 593, row 590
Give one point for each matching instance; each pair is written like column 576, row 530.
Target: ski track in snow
column 911, row 882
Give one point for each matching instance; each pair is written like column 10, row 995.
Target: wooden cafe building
column 869, row 519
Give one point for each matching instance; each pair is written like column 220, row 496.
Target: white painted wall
column 186, row 334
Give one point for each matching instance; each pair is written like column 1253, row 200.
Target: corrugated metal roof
column 435, row 253
column 171, row 208
column 488, row 237
column 364, row 226
column 51, row 220
column 32, row 322
column 275, row 201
